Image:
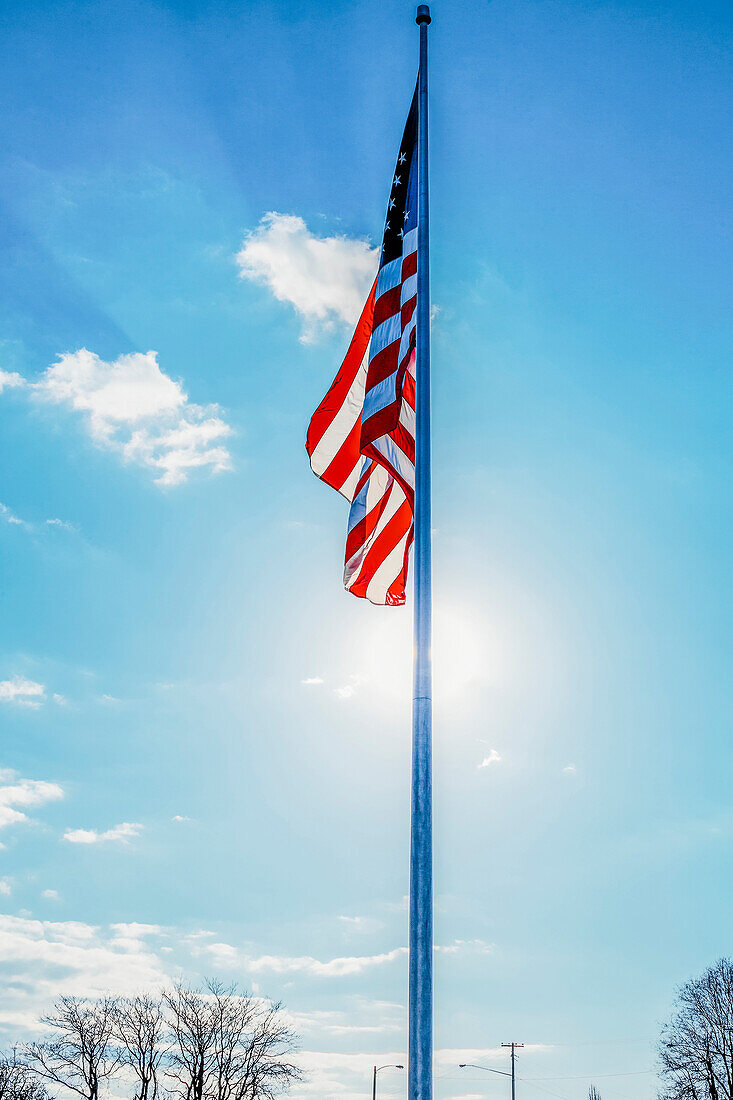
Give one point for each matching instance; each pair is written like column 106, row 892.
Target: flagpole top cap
column 423, row 14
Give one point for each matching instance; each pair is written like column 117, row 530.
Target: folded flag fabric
column 361, row 438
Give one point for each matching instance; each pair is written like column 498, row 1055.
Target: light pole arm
column 486, row 1069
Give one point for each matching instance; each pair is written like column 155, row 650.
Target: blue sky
column 177, row 797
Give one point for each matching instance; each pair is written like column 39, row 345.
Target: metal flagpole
column 420, row 1075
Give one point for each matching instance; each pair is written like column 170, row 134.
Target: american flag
column 361, row 438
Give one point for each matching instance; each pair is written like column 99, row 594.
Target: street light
column 377, row 1069
column 503, row 1072
column 488, row 1069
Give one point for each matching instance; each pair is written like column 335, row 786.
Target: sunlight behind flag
column 464, row 654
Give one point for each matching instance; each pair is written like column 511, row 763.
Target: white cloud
column 25, row 793
column 492, row 758
column 345, row 692
column 6, row 888
column 312, row 680
column 61, row 523
column 47, row 958
column 10, row 517
column 362, row 925
column 362, row 1017
column 50, row 895
column 570, row 769
column 9, row 380
column 181, row 817
column 326, row 279
column 345, row 1076
column 123, row 832
column 132, row 407
column 59, row 700
column 314, row 968
column 222, row 954
column 458, row 947
column 25, row 693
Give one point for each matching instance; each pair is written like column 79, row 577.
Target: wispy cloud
column 361, row 925
column 25, row 793
column 378, row 1018
column 326, row 279
column 50, row 895
column 61, row 523
column 8, row 516
column 400, row 906
column 459, row 947
column 492, row 757
column 134, row 408
column 348, row 690
column 22, row 692
column 121, row 833
column 345, row 966
column 312, row 680
column 10, row 380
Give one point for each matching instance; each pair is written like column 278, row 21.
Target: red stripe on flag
column 334, row 399
column 345, row 459
column 382, row 547
column 409, row 266
column 408, row 390
column 407, row 311
column 387, row 305
column 396, row 591
column 384, row 363
column 405, row 441
column 361, row 531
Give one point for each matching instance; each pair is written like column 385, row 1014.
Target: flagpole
column 420, row 1076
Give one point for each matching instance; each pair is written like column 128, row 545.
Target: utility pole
column 514, row 1046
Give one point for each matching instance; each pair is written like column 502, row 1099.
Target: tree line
column 215, row 1043
column 218, row 1043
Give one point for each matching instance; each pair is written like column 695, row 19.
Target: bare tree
column 139, row 1027
column 267, row 1070
column 17, row 1081
column 696, row 1048
column 79, row 1055
column 593, row 1093
column 226, row 1045
column 192, row 1041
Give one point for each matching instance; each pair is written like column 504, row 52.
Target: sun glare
column 463, row 654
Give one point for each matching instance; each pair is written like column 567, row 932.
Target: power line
column 590, row 1076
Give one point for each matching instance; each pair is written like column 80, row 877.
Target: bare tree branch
column 227, row 1045
column 696, row 1048
column 79, row 1055
column 17, row 1080
column 139, row 1028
